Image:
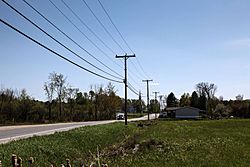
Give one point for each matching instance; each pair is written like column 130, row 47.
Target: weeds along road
column 10, row 133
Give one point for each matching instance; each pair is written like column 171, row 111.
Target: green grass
column 160, row 143
column 76, row 145
column 192, row 143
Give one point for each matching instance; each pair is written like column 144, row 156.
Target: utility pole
column 155, row 100
column 140, row 101
column 156, row 95
column 147, row 80
column 125, row 81
column 160, row 101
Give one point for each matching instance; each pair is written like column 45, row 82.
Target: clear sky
column 178, row 43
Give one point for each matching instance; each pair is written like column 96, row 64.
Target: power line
column 112, row 22
column 57, row 54
column 57, row 40
column 90, row 28
column 131, row 88
column 69, row 37
column 132, row 79
column 84, row 33
column 109, row 32
column 86, row 27
column 136, row 69
column 103, row 26
column 83, row 23
column 115, row 27
column 138, row 62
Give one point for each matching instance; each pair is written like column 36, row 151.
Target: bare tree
column 110, row 90
column 206, row 93
column 204, row 88
column 59, row 85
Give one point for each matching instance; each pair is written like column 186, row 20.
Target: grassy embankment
column 159, row 143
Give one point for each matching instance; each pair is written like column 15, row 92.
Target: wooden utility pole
column 147, row 80
column 156, row 100
column 156, row 95
column 140, row 101
column 125, row 81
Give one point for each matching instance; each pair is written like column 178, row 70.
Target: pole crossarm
column 126, row 56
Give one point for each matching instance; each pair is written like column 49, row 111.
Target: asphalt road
column 10, row 133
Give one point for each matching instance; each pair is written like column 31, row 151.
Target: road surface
column 10, row 133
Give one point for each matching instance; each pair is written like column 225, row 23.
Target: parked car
column 163, row 115
column 120, row 116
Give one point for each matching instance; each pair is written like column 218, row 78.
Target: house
column 184, row 112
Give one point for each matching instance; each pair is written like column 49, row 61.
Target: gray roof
column 178, row 108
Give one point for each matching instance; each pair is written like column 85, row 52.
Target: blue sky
column 179, row 44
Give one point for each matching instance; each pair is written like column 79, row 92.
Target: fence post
column 68, row 163
column 20, row 162
column 31, row 161
column 14, row 160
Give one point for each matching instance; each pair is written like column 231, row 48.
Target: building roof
column 178, row 108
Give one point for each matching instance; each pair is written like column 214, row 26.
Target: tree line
column 64, row 103
column 204, row 98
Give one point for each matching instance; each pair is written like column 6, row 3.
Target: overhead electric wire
column 132, row 79
column 132, row 90
column 103, row 26
column 69, row 37
column 57, row 54
column 110, row 33
column 135, row 69
column 72, row 11
column 83, row 24
column 122, row 37
column 132, row 87
column 84, row 33
column 115, row 27
column 57, row 40
column 138, row 62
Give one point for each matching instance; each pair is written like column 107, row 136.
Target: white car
column 120, row 116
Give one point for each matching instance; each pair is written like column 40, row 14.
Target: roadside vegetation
column 78, row 145
column 155, row 143
column 66, row 103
